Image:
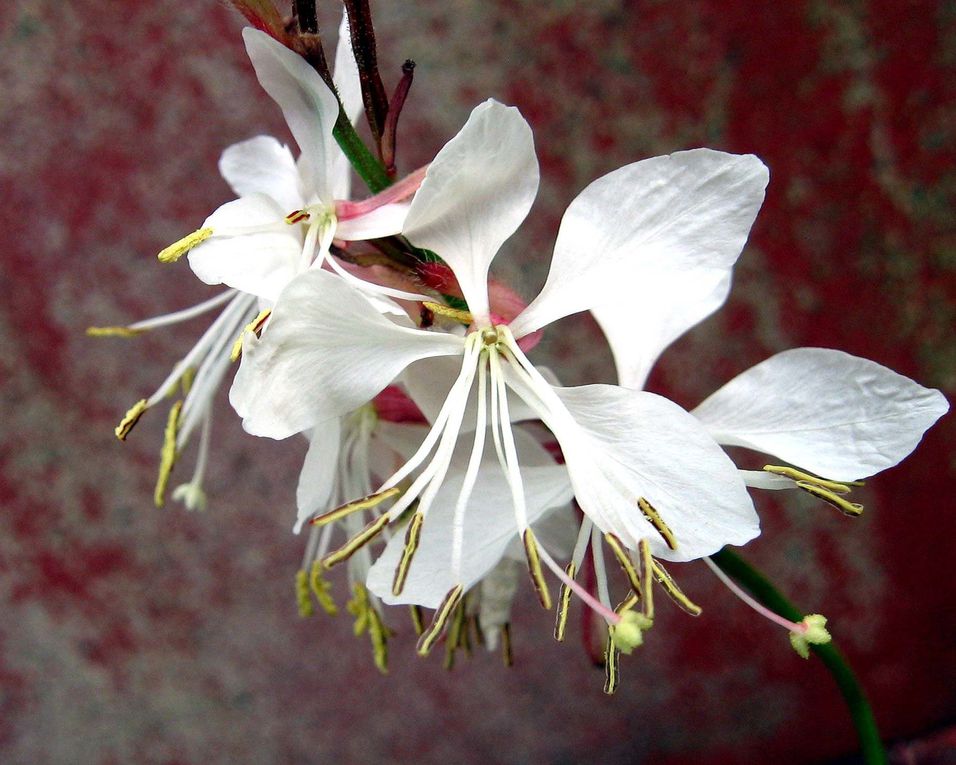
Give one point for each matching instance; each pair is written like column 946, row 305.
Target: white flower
column 641, row 468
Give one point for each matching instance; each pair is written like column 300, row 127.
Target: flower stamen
column 177, row 249
column 852, row 509
column 168, row 455
column 534, row 568
column 674, row 592
column 255, row 326
column 365, row 503
column 564, row 604
column 412, row 537
column 371, row 530
column 130, row 419
column 462, row 317
column 654, row 518
column 439, row 620
column 624, row 559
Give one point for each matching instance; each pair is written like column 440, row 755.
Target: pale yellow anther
column 673, row 591
column 302, row 599
column 357, row 542
column 564, row 603
column 439, row 620
column 534, row 568
column 628, row 633
column 130, row 419
column 456, row 314
column 254, row 326
column 853, row 509
column 418, row 619
column 612, row 666
column 365, row 503
column 378, row 633
column 321, row 588
column 412, row 535
column 176, row 250
column 186, row 381
column 358, row 606
column 799, row 475
column 814, row 633
column 654, row 518
column 167, row 459
column 113, row 331
column 617, row 547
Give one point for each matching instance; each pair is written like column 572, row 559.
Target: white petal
column 621, row 444
column 489, row 528
column 260, row 264
column 475, row 194
column 325, row 352
column 345, row 73
column 836, row 415
column 317, row 477
column 262, row 165
column 383, row 221
column 666, row 215
column 309, row 107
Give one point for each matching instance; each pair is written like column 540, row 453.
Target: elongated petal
column 489, row 529
column 346, row 78
column 836, row 415
column 620, row 445
column 317, row 477
column 325, row 352
column 383, row 221
column 669, row 216
column 262, row 165
column 475, row 195
column 309, row 107
column 258, row 263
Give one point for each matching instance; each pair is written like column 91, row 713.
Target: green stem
column 365, row 163
column 861, row 712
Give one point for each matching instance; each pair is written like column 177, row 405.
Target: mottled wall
column 135, row 635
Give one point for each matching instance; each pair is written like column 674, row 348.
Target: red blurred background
column 131, row 634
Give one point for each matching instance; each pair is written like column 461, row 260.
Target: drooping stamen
column 113, row 332
column 191, row 494
column 130, row 419
column 617, row 547
column 453, row 640
column 418, row 619
column 507, row 656
column 254, row 326
column 356, row 543
column 654, row 518
column 463, row 317
column 612, row 666
column 852, row 509
column 167, row 459
column 378, row 633
column 177, row 249
column 534, row 567
column 302, row 599
column 412, row 535
column 322, row 589
column 670, row 587
column 564, row 603
column 365, row 503
column 597, row 606
column 647, row 578
column 434, row 630
column 799, row 475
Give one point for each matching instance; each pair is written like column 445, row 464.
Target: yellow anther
column 418, row 620
column 434, row 630
column 455, row 630
column 186, row 381
column 366, row 535
column 322, row 589
column 113, row 331
column 534, row 568
column 617, row 547
column 628, row 633
column 456, row 314
column 299, row 216
column 507, row 656
column 815, row 633
column 378, row 633
column 302, row 598
column 167, row 457
column 564, row 603
column 253, row 326
column 799, row 475
column 676, row 594
column 359, row 607
column 365, row 503
column 412, row 535
column 846, row 507
column 647, row 578
column 612, row 666
column 654, row 518
column 176, row 250
column 130, row 419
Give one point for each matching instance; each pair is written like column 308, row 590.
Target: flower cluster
column 442, row 460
